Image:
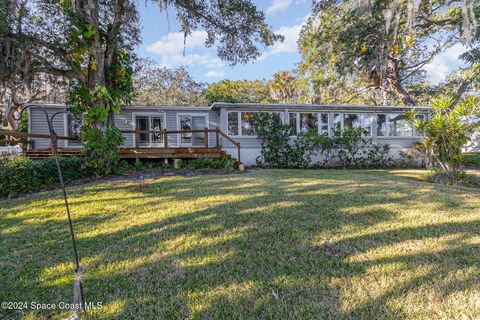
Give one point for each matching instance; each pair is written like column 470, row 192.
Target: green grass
column 269, row 244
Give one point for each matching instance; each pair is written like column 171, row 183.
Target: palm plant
column 282, row 87
column 447, row 130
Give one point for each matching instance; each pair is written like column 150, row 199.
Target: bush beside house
column 348, row 148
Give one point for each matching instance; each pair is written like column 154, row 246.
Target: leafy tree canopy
column 255, row 91
column 162, row 86
column 383, row 44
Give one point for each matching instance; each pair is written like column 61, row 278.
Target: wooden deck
column 141, row 153
column 165, row 152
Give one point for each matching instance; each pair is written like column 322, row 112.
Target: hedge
column 19, row 174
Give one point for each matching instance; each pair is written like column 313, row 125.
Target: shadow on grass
column 270, row 244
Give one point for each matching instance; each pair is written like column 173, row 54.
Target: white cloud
column 289, row 45
column 170, row 47
column 215, row 74
column 172, row 43
column 278, row 5
column 439, row 69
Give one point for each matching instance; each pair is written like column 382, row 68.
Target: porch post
column 165, row 138
column 205, row 134
column 217, row 137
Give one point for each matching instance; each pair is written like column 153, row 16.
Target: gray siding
column 38, row 124
column 250, row 146
column 124, row 121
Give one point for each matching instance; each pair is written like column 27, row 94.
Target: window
column 393, row 125
column 382, row 125
column 399, row 126
column 149, row 123
column 248, row 119
column 74, row 126
column 242, row 123
column 190, row 122
column 337, row 122
column 232, row 123
column 156, row 124
column 73, row 130
column 293, row 124
column 352, row 121
column 367, row 124
column 142, row 125
column 199, row 123
column 324, row 123
column 308, row 122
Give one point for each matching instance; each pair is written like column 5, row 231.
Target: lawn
column 269, row 244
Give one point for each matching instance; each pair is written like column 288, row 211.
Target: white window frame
column 239, row 124
column 194, row 114
column 342, row 120
column 239, row 119
column 146, row 114
column 387, row 129
column 65, row 131
column 319, row 120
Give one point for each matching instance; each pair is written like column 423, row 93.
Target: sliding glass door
column 149, row 123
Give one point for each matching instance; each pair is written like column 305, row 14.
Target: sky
column 162, row 41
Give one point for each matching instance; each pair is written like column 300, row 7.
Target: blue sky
column 163, row 43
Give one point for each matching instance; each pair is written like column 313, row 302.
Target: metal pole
column 54, row 145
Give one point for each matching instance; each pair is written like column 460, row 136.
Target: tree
column 163, row 86
column 384, row 44
column 92, row 42
column 254, row 91
column 447, row 130
column 33, row 62
column 43, row 87
column 282, row 87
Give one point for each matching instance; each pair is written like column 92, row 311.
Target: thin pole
column 54, row 147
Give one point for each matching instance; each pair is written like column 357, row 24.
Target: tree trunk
column 393, row 78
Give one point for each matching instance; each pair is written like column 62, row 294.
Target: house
column 187, row 131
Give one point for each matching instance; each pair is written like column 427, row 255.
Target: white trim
column 195, row 114
column 342, row 120
column 239, row 119
column 319, row 121
column 148, row 115
column 387, row 128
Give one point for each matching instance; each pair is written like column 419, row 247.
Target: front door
column 190, row 122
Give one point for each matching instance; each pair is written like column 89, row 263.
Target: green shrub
column 277, row 149
column 449, row 127
column 460, row 178
column 471, row 159
column 354, row 150
column 348, row 148
column 101, row 149
column 19, row 174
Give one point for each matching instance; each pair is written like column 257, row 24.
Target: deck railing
column 137, row 133
column 165, row 133
column 12, row 135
